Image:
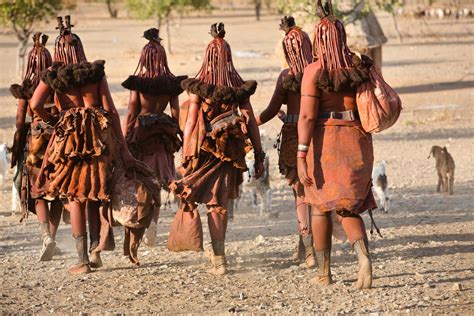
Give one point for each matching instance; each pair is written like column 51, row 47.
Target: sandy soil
column 424, row 264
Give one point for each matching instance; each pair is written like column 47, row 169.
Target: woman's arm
column 41, row 94
column 22, row 108
column 309, row 107
column 191, row 120
column 109, row 107
column 278, row 98
column 133, row 110
column 254, row 135
column 174, row 106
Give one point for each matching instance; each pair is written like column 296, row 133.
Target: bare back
column 88, row 96
column 153, row 104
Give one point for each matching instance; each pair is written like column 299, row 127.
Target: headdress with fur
column 39, row 59
column 298, row 53
column 70, row 68
column 340, row 69
column 218, row 79
column 152, row 75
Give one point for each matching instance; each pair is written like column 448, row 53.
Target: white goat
column 380, row 185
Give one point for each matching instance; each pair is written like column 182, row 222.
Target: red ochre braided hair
column 153, row 62
column 39, row 59
column 338, row 68
column 217, row 67
column 296, row 45
column 68, row 47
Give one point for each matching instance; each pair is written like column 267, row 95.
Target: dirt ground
column 424, row 263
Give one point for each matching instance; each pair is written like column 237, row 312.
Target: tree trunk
column 158, row 22
column 20, row 62
column 395, row 24
column 113, row 12
column 168, row 34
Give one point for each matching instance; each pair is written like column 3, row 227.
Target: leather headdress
column 39, row 59
column 296, row 45
column 153, row 62
column 339, row 68
column 68, row 47
column 217, row 67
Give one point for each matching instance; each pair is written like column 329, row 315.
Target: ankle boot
column 94, row 258
column 218, row 261
column 309, row 251
column 364, row 277
column 299, row 253
column 324, row 269
column 150, row 235
column 49, row 245
column 83, row 263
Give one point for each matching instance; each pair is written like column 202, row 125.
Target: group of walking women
column 69, row 150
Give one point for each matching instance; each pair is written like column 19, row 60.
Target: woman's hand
column 303, row 172
column 258, row 168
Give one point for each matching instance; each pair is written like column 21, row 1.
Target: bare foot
column 81, row 268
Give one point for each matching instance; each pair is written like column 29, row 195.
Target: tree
column 112, row 10
column 348, row 11
column 162, row 9
column 23, row 16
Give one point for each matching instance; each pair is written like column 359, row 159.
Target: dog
column 380, row 185
column 256, row 187
column 445, row 169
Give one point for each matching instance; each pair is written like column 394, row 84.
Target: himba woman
column 335, row 155
column 218, row 126
column 298, row 54
column 79, row 157
column 31, row 140
column 153, row 136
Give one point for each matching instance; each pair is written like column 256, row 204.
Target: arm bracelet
column 301, row 154
column 302, row 147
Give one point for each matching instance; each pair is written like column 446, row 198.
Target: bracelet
column 302, row 147
column 301, row 154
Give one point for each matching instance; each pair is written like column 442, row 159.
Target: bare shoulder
column 311, row 69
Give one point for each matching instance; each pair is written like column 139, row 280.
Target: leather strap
column 345, row 115
column 291, row 118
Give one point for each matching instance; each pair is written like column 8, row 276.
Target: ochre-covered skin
column 214, row 174
column 340, row 158
column 289, row 136
column 297, row 48
column 152, row 135
column 337, row 170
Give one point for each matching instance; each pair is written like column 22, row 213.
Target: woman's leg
column 304, row 229
column 355, row 230
column 321, row 227
column 217, row 222
column 55, row 212
column 150, row 234
column 93, row 219
column 78, row 226
column 49, row 245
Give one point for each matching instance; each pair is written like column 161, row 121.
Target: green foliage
column 23, row 14
column 346, row 10
column 144, row 9
column 389, row 5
